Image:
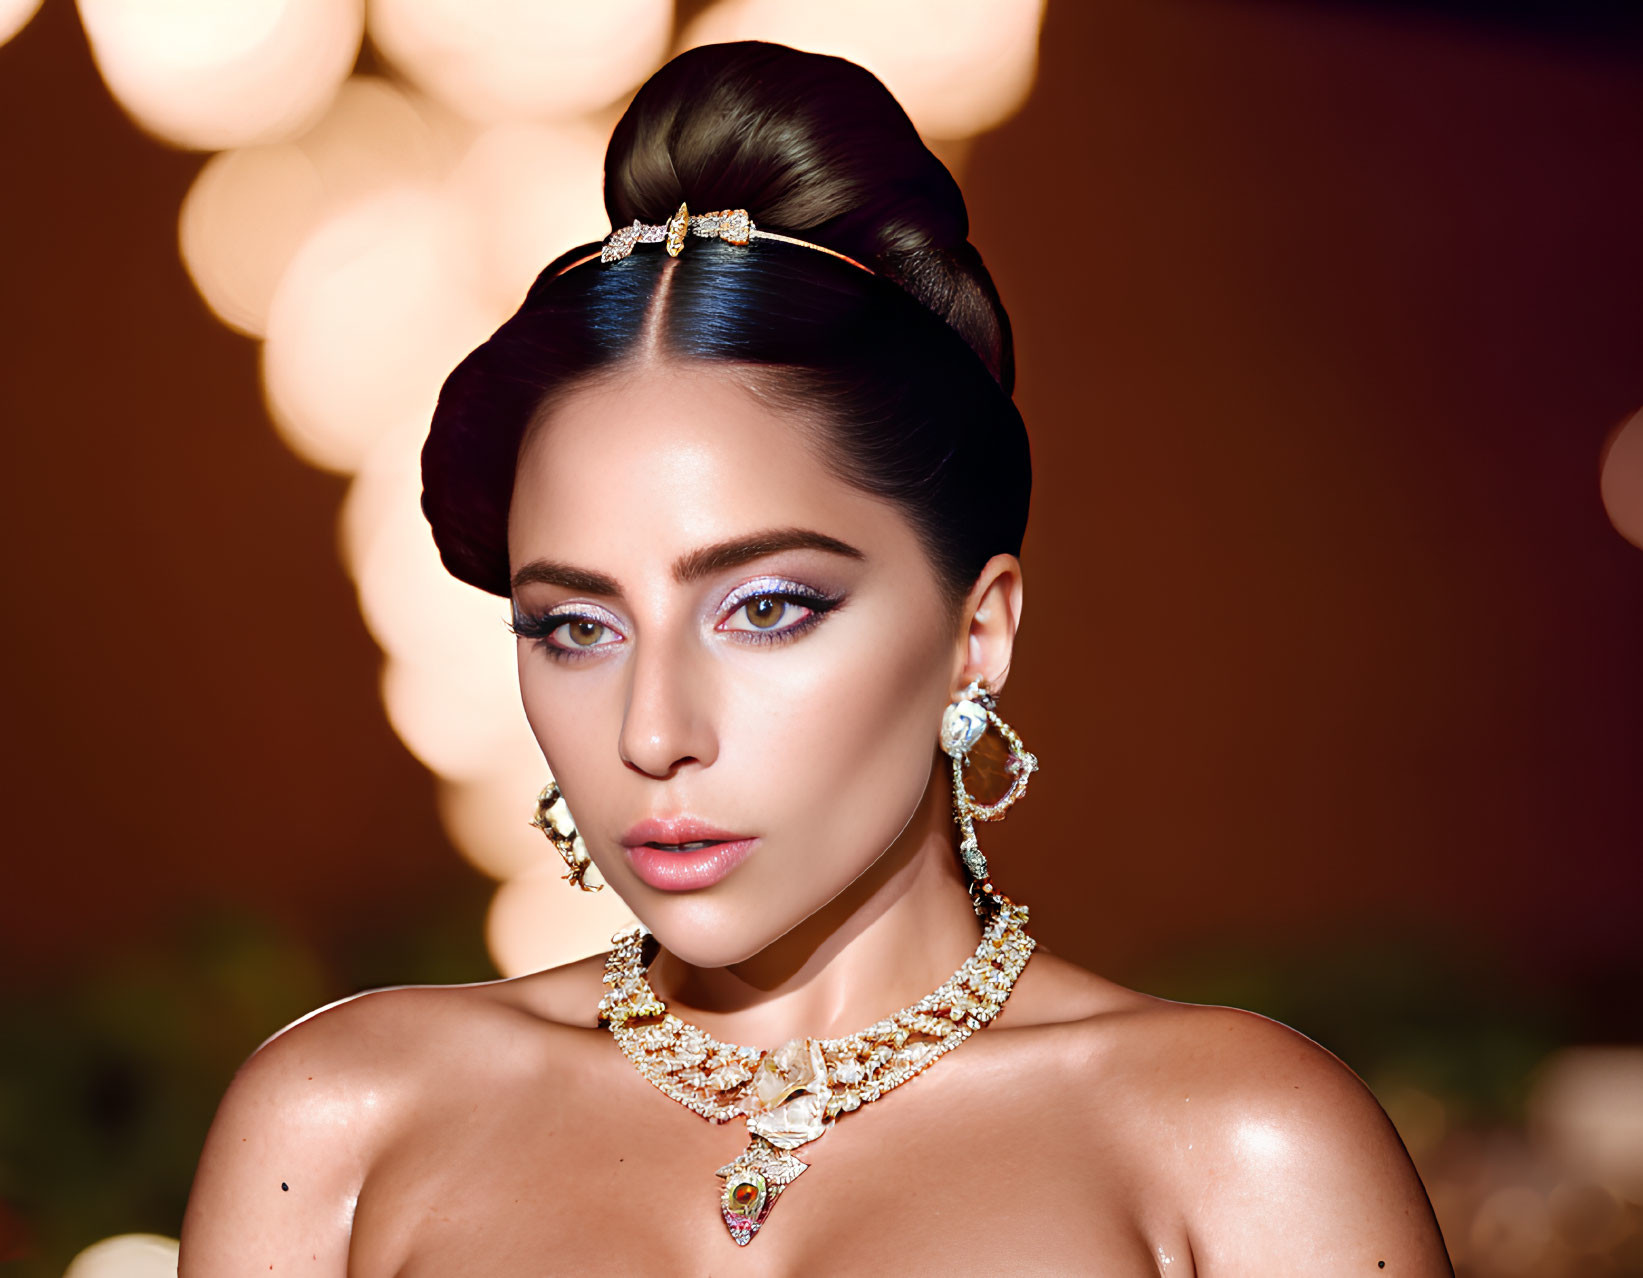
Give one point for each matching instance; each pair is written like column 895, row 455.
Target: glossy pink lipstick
column 681, row 854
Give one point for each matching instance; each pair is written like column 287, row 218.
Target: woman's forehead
column 670, row 458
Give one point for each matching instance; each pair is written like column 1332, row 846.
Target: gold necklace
column 792, row 1094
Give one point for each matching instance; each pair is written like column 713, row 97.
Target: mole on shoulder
column 287, row 1189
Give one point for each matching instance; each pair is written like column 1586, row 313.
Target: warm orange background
column 1323, row 314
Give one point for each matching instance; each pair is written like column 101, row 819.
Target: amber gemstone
column 744, row 1194
column 988, row 777
column 677, row 227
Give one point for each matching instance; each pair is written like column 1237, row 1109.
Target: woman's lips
column 682, row 854
column 683, row 871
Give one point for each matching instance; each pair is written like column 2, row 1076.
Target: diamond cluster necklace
column 792, row 1094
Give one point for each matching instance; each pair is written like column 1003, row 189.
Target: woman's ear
column 988, row 621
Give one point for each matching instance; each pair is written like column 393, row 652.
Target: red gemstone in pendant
column 752, row 1184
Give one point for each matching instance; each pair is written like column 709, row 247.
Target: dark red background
column 1324, row 312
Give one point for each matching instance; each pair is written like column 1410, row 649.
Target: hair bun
column 813, row 146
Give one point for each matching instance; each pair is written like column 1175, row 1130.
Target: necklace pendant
column 792, row 1094
column 753, row 1182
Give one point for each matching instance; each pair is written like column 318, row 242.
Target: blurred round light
column 538, row 920
column 373, row 137
column 211, row 74
column 1419, row 1116
column 372, row 313
column 528, row 193
column 493, row 60
column 414, row 608
column 15, row 15
column 383, row 501
column 241, row 222
column 958, row 67
column 1510, row 1231
column 1586, row 1109
column 461, row 720
column 1620, row 480
column 488, row 818
column 1587, row 1218
column 450, row 684
column 126, row 1256
column 250, row 209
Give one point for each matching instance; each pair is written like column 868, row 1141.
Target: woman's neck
column 889, row 938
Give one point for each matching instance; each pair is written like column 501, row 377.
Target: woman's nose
column 666, row 723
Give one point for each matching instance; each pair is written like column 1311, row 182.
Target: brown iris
column 765, row 611
column 585, row 633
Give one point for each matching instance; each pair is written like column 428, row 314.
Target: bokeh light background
column 1328, row 323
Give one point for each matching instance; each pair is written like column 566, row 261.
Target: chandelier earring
column 563, row 840
column 999, row 764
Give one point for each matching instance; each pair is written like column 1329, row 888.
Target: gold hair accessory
column 564, row 842
column 733, row 226
column 793, row 1094
column 1002, row 775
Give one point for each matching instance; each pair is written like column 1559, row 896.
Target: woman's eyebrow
column 741, row 550
column 690, row 567
column 546, row 572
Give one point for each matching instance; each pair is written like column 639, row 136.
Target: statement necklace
column 792, row 1094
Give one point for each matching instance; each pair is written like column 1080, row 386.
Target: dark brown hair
column 908, row 370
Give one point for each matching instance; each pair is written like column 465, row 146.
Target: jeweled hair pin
column 733, row 226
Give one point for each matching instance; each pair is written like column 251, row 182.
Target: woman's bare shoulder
column 307, row 1115
column 1280, row 1157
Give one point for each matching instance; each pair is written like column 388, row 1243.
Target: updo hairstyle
column 906, row 372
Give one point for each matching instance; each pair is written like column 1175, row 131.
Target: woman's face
column 735, row 664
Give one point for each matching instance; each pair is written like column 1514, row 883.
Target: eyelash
column 818, row 603
column 539, row 626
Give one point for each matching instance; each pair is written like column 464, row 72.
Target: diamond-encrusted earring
column 1001, row 772
column 578, row 860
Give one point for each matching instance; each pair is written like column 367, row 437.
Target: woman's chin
column 717, row 929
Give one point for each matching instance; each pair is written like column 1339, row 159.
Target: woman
column 751, row 475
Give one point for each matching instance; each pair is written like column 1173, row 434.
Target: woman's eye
column 767, row 613
column 566, row 636
column 581, row 633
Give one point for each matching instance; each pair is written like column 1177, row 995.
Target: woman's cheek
column 859, row 763
column 567, row 725
column 538, row 707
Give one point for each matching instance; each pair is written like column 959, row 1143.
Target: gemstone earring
column 1000, row 771
column 578, row 860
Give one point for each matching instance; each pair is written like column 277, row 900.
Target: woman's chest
column 619, row 1179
